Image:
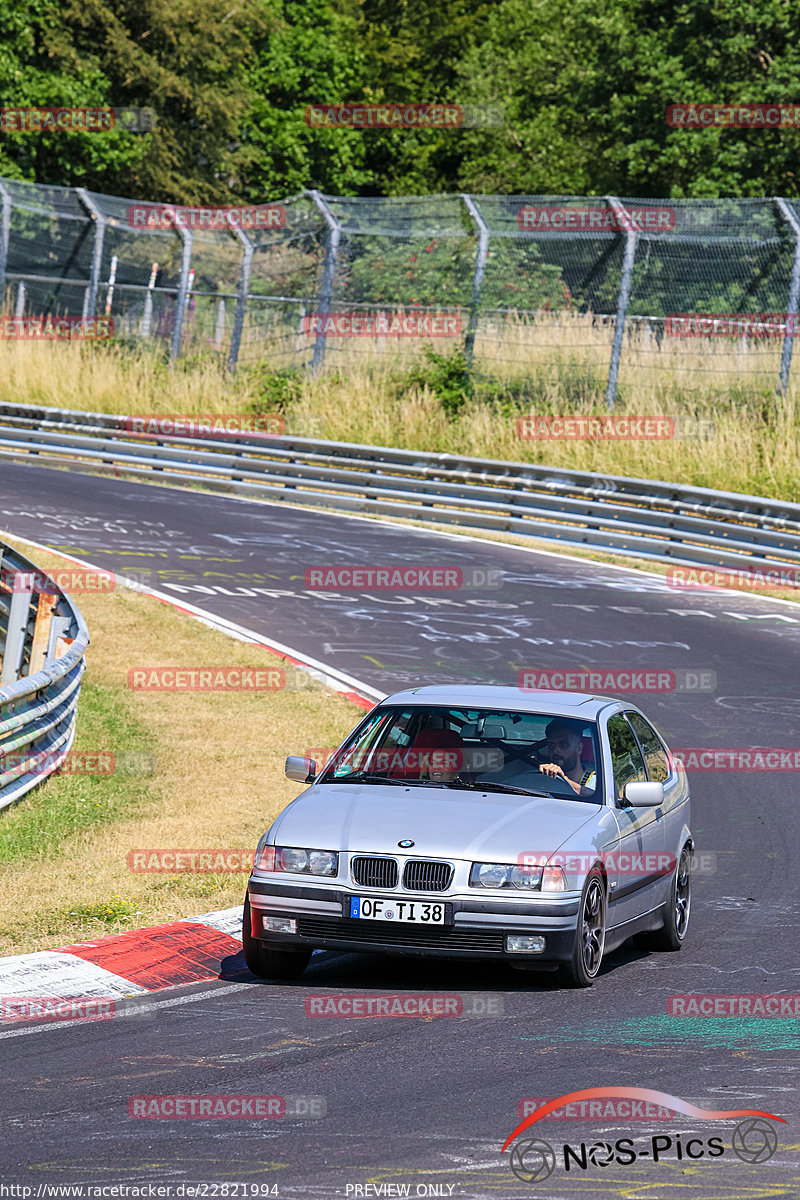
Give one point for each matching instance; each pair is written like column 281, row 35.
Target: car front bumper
column 477, row 928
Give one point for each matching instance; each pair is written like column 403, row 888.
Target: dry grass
column 390, row 395
column 218, row 781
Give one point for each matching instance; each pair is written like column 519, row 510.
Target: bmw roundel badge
column 406, row 842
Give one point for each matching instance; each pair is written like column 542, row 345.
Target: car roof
column 507, row 699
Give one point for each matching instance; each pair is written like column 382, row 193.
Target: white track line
column 330, row 676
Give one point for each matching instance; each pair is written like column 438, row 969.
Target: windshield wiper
column 500, row 787
column 367, row 777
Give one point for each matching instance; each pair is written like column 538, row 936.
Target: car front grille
column 443, row 937
column 375, row 872
column 423, row 875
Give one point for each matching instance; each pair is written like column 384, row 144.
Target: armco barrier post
column 789, row 216
column 37, row 710
column 41, row 631
column 328, row 275
column 183, row 290
column 477, row 278
column 631, row 238
column 18, row 614
column 90, row 296
column 241, row 299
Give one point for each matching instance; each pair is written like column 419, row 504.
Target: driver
column 562, row 747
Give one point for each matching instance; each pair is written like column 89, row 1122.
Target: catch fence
column 566, row 289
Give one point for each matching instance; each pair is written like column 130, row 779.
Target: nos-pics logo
column 534, row 1159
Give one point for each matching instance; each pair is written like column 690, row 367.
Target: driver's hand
column 552, row 769
column 555, row 772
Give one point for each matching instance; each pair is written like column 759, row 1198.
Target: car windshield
column 511, row 752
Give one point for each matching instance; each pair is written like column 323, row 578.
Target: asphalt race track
column 427, row 1104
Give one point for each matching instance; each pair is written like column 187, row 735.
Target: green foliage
column 446, row 375
column 584, row 89
column 187, row 62
column 277, row 390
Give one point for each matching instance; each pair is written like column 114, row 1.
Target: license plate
column 415, row 912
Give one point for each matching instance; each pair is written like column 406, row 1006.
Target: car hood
column 441, row 822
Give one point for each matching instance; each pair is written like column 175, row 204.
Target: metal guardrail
column 44, row 640
column 644, row 518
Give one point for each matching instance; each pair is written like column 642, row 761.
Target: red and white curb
column 128, row 964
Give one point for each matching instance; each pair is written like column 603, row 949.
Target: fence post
column 147, row 315
column 19, row 310
column 5, row 231
column 112, row 279
column 631, row 238
column 241, row 299
column 328, row 274
column 18, row 613
column 99, row 219
column 477, row 278
column 183, row 290
column 219, row 327
column 794, row 295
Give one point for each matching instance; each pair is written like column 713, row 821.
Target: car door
column 634, row 883
column 661, row 770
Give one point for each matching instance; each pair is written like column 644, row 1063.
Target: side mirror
column 300, row 769
column 644, row 795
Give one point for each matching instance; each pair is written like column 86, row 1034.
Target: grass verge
column 214, row 779
column 745, row 436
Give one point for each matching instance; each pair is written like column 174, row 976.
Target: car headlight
column 504, row 875
column 296, row 860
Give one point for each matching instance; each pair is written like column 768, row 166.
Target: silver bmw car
column 540, row 828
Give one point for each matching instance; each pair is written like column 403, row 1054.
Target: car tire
column 672, row 934
column 587, row 952
column 265, row 962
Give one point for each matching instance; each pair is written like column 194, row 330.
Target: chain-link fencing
column 595, row 290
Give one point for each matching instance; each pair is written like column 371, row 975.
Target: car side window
column 626, row 757
column 654, row 754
